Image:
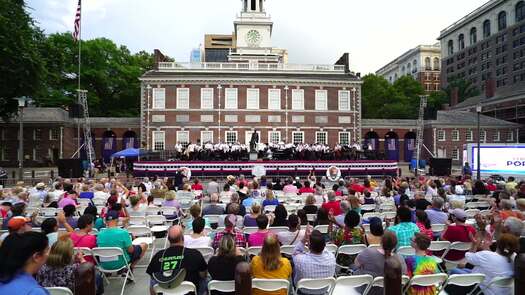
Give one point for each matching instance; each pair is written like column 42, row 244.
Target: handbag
column 170, row 278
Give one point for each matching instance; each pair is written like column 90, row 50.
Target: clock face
column 253, row 38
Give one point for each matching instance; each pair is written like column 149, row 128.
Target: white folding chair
column 85, row 251
column 379, row 282
column 48, row 212
column 213, row 218
column 156, row 220
column 322, row 228
column 500, row 282
column 278, row 229
column 59, row 291
column 270, row 285
column 287, row 249
column 152, row 211
column 437, row 229
column 112, row 254
column 375, row 246
column 84, row 202
column 373, row 214
column 183, row 289
column 368, row 207
column 253, row 251
column 406, row 251
column 343, row 285
column 464, row 280
column 269, row 208
column 137, row 220
column 332, row 248
column 250, row 229
column 436, row 280
column 311, row 217
column 158, row 201
column 221, row 286
column 458, row 246
column 142, row 235
column 390, row 215
column 439, row 246
column 471, row 213
column 350, row 250
column 323, row 285
column 207, row 252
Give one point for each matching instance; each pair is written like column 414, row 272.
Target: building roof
column 506, row 93
column 389, row 123
column 122, row 122
column 407, row 55
column 467, row 119
column 44, row 115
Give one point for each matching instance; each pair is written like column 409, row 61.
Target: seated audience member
column 322, row 217
column 345, row 207
column 69, row 198
column 491, row 264
column 114, row 236
column 423, row 223
column 355, row 205
column 405, row 229
column 421, row 264
column 22, row 257
column 249, row 220
column 332, row 206
column 222, row 266
column 306, row 189
column 250, row 199
column 376, row 231
column 435, row 214
column 257, row 238
column 83, row 237
column 421, row 203
column 50, row 227
column 229, row 223
column 310, row 207
column 319, row 196
column 459, row 232
column 17, row 224
column 303, row 217
column 69, row 212
column 179, row 257
column 85, row 193
column 198, row 238
column 234, row 199
column 270, row 200
column 170, row 200
column 506, row 210
column 290, row 188
column 61, row 265
column 280, row 216
column 294, row 235
column 138, row 206
column 479, row 188
column 195, row 211
column 348, row 233
column 269, row 264
column 98, row 222
column 213, row 208
column 314, row 264
column 196, row 186
column 371, row 261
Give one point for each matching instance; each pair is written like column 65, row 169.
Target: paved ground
column 142, row 281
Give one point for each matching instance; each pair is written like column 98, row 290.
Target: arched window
column 414, row 64
column 520, row 11
column 254, row 5
column 427, row 64
column 450, row 47
column 486, row 29
column 436, row 64
column 473, row 36
column 395, row 76
column 403, row 70
column 409, row 66
column 461, row 42
column 502, row 21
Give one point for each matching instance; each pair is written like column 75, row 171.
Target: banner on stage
column 333, row 173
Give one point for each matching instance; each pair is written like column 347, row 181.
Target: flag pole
column 79, row 65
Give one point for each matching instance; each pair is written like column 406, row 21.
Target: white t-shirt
column 100, row 194
column 287, row 237
column 199, row 242
column 492, row 265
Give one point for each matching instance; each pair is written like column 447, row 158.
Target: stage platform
column 271, row 168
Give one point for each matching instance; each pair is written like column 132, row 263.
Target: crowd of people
column 38, row 250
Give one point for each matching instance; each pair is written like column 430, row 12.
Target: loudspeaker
column 69, row 168
column 440, row 167
column 76, row 111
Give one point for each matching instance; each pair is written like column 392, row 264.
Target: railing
column 257, row 67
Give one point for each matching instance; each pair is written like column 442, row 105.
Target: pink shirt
column 66, row 201
column 290, row 189
column 257, row 239
column 85, row 241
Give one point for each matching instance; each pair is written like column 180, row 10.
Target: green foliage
column 381, row 100
column 465, row 88
column 21, row 64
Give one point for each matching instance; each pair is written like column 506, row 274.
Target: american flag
column 77, row 23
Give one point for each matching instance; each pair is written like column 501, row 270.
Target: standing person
column 372, row 260
column 316, row 264
column 467, row 170
column 405, row 229
column 421, row 264
column 222, row 266
column 459, row 232
column 269, row 264
column 22, row 257
column 177, row 257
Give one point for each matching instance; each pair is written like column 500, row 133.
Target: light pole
column 21, row 104
column 219, row 87
column 148, row 96
column 478, row 158
column 286, row 112
column 354, row 127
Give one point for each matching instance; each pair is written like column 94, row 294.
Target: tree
column 465, row 88
column 21, row 65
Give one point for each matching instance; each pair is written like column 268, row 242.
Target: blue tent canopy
column 128, row 153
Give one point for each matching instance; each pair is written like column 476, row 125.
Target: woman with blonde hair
column 61, row 265
column 249, row 220
column 270, row 199
column 269, row 264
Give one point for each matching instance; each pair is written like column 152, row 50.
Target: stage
column 270, row 168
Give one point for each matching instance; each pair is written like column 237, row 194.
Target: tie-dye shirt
column 421, row 265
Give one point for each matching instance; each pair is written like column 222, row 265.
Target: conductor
column 254, row 141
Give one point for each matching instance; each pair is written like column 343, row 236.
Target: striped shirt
column 312, row 266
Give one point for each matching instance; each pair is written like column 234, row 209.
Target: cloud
column 373, row 32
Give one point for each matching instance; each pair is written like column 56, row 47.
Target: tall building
column 253, row 91
column 487, row 48
column 423, row 63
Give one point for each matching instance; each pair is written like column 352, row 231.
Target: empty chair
column 221, row 286
column 214, row 219
column 48, row 212
column 59, row 291
column 99, row 201
column 84, row 202
column 156, row 220
column 270, row 285
column 158, row 201
column 435, row 280
column 343, row 284
column 182, row 289
column 287, row 249
column 464, row 280
column 319, row 285
column 439, row 246
column 137, row 220
column 471, row 213
column 142, row 234
column 269, row 208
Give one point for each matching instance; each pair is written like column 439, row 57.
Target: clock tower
column 253, row 34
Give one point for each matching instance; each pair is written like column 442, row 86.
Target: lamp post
column 478, row 158
column 286, row 112
column 219, row 87
column 21, row 105
column 148, row 97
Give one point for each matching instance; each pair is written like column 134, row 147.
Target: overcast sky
column 314, row 31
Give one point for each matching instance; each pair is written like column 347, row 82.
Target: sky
column 314, row 31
